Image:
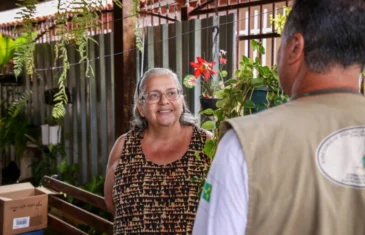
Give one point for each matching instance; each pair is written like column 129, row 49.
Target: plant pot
column 10, row 80
column 51, row 134
column 208, row 103
column 50, row 93
column 259, row 98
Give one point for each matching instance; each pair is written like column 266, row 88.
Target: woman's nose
column 164, row 99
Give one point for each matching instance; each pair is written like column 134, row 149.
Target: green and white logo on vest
column 207, row 191
column 341, row 157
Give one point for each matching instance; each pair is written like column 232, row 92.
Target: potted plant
column 51, row 132
column 236, row 98
column 7, row 49
column 210, row 84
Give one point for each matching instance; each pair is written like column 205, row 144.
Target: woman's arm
column 113, row 161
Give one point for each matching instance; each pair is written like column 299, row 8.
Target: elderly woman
column 149, row 183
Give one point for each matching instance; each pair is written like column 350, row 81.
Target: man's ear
column 295, row 48
column 140, row 110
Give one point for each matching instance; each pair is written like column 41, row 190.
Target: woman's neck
column 170, row 133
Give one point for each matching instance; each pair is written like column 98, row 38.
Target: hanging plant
column 25, row 45
column 84, row 15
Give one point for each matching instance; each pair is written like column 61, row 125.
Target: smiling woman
column 149, row 184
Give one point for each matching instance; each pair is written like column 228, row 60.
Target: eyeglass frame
column 178, row 91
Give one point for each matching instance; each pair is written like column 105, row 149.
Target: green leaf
column 245, row 60
column 208, row 125
column 209, row 148
column 249, row 104
column 219, row 103
column 255, row 44
column 223, row 73
column 264, row 70
column 231, row 81
column 257, row 82
column 219, row 115
column 219, row 94
column 261, row 49
column 208, row 111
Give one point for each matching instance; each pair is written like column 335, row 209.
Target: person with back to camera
column 299, row 168
column 149, row 184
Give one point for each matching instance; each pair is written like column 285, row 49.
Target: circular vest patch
column 341, row 157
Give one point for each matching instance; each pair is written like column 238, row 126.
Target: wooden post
column 185, row 11
column 124, row 66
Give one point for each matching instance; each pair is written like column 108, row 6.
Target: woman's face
column 157, row 108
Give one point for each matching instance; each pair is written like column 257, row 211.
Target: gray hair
column 139, row 123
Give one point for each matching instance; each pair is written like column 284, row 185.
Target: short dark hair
column 333, row 31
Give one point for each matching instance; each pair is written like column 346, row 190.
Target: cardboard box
column 23, row 208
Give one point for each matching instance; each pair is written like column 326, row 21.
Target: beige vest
column 304, row 178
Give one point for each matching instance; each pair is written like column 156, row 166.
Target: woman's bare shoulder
column 120, row 140
column 117, row 149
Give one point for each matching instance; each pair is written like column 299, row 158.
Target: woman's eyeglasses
column 153, row 97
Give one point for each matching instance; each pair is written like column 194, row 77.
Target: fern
column 86, row 17
column 59, row 110
column 25, row 46
column 13, row 125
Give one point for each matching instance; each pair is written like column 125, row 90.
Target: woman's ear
column 295, row 48
column 140, row 110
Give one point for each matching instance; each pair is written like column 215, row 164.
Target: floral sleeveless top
column 158, row 199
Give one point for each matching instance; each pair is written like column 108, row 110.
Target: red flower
column 205, row 95
column 222, row 60
column 203, row 67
